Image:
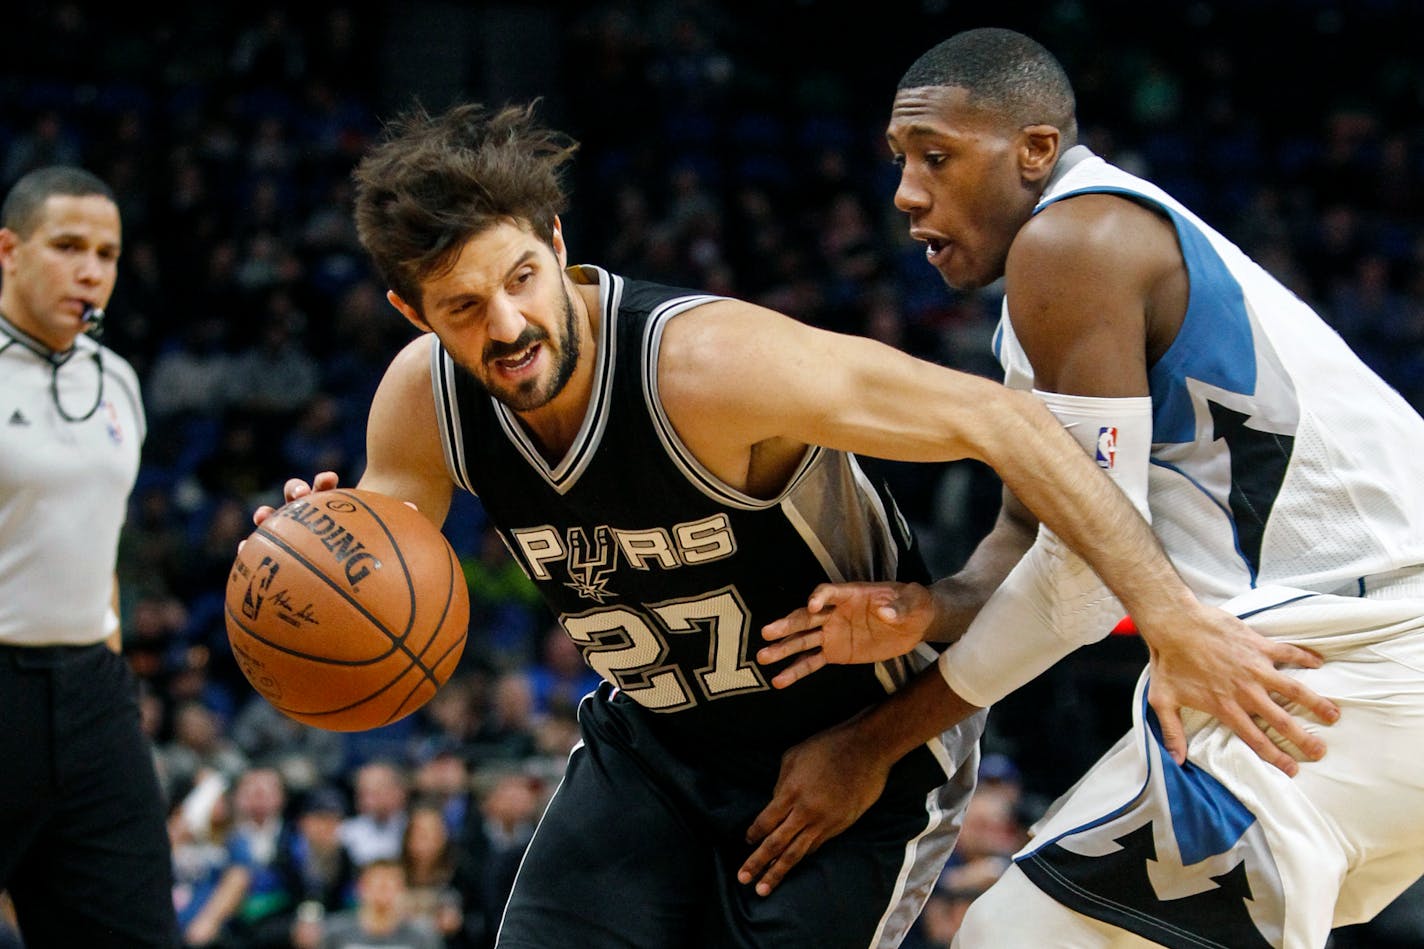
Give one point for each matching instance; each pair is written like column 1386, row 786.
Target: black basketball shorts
column 640, row 848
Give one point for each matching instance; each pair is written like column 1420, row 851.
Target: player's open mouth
column 521, row 362
column 937, row 246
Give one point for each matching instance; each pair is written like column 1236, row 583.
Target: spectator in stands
column 320, row 869
column 378, row 826
column 380, row 917
column 247, row 905
column 439, row 876
column 199, row 744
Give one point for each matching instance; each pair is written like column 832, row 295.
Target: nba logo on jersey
column 1107, row 446
column 116, row 431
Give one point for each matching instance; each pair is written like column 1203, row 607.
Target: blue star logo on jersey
column 591, row 563
column 1187, row 866
column 1214, row 918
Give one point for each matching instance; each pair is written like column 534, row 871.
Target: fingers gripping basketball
column 347, row 609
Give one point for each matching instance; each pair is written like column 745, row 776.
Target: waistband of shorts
column 46, row 656
column 1403, row 584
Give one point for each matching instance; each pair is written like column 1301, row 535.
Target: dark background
column 736, row 147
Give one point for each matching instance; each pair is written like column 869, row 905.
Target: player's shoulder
column 1091, row 221
column 417, row 349
column 414, row 359
column 411, row 369
column 724, row 339
column 1079, row 236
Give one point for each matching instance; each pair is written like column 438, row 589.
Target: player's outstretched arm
column 404, row 456
column 736, row 373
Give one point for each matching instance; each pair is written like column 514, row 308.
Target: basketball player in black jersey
column 673, row 470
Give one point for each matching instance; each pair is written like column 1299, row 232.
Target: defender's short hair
column 1004, row 72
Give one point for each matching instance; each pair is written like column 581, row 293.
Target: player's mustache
column 530, row 336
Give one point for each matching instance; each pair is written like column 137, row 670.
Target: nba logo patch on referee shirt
column 116, row 429
column 1107, row 447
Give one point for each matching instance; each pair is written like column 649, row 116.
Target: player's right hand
column 845, row 623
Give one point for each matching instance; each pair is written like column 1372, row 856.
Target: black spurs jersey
column 662, row 574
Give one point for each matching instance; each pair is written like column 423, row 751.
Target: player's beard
column 539, row 391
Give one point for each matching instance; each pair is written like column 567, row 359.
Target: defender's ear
column 1038, row 151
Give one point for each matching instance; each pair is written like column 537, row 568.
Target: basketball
column 346, row 610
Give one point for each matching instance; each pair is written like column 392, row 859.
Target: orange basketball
column 347, row 609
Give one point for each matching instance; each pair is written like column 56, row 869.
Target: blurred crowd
column 733, row 150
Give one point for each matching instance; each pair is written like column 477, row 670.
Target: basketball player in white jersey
column 1282, row 476
column 83, row 847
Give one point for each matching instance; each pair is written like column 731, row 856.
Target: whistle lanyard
column 56, row 362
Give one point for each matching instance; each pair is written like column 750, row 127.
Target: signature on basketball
column 287, row 613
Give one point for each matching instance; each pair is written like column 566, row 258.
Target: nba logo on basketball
column 1107, row 446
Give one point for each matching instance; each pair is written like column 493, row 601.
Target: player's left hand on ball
column 826, row 783
column 293, row 489
column 297, row 488
column 1233, row 673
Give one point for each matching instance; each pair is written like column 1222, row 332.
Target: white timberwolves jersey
column 1285, row 485
column 1278, row 457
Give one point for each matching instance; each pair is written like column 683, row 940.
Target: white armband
column 1116, row 433
column 1052, row 602
column 111, row 622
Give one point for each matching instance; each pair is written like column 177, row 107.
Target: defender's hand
column 826, row 783
column 848, row 623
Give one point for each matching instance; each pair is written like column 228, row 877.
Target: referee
column 83, row 847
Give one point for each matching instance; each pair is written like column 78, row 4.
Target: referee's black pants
column 84, row 848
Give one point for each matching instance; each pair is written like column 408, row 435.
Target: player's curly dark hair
column 1004, row 72
column 434, row 182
